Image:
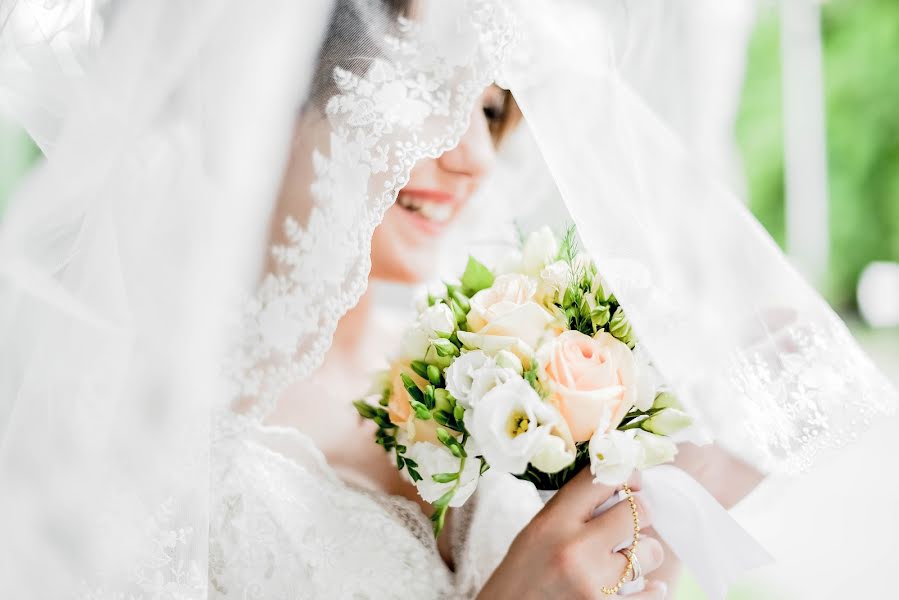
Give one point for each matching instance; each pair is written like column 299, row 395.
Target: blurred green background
column 861, row 63
column 861, row 79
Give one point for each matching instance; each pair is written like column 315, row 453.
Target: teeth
column 433, row 211
column 438, row 212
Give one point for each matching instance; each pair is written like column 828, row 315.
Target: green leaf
column 484, row 466
column 438, row 518
column 429, row 396
column 365, row 410
column 414, row 474
column 442, row 417
column 458, row 413
column 420, row 367
column 412, row 388
column 444, row 477
column 476, row 277
column 443, row 501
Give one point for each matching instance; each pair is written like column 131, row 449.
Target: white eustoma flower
column 434, row 459
column 415, row 342
column 487, row 378
column 614, row 456
column 438, row 320
column 509, row 425
column 539, row 250
column 460, row 375
column 553, row 455
column 648, row 379
column 657, row 449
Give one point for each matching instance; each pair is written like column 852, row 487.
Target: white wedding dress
column 284, row 525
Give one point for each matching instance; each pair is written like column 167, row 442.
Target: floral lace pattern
column 411, row 103
column 803, row 397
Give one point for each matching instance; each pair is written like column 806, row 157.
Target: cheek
column 395, row 255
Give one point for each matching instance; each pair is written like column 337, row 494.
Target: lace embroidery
column 803, row 397
column 413, row 104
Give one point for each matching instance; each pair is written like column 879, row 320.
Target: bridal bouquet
column 532, row 369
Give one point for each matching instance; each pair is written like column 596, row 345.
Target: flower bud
column 657, row 449
column 667, row 422
column 507, row 360
column 620, row 327
column 666, row 400
column 552, row 455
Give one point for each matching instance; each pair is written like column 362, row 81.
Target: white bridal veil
column 128, row 358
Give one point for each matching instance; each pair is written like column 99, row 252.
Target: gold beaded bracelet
column 630, row 550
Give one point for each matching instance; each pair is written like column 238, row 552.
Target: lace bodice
column 283, row 525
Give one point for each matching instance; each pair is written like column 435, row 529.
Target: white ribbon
column 702, row 534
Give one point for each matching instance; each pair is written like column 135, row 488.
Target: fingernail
column 664, row 587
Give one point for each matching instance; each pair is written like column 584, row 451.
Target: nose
column 475, row 153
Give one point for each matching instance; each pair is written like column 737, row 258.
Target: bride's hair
column 352, row 41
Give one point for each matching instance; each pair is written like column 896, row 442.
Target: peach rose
column 399, row 409
column 592, row 381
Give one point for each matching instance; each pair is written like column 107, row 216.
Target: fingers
column 650, row 555
column 581, row 495
column 654, row 590
column 615, row 527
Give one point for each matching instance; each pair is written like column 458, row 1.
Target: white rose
column 460, row 375
column 553, row 281
column 433, row 459
column 553, row 455
column 438, row 320
column 539, row 250
column 509, row 425
column 415, row 342
column 614, row 456
column 657, row 449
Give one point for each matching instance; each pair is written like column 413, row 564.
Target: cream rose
column 592, row 381
column 506, row 317
column 399, row 409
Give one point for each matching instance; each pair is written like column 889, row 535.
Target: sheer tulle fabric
column 133, row 464
column 771, row 370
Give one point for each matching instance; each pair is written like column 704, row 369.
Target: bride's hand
column 563, row 553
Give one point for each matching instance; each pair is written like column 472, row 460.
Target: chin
column 402, row 252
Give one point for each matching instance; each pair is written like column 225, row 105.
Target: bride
column 120, row 253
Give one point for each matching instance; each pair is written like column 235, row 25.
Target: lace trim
column 415, row 104
column 803, row 397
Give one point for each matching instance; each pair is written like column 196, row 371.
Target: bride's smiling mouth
column 430, row 210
